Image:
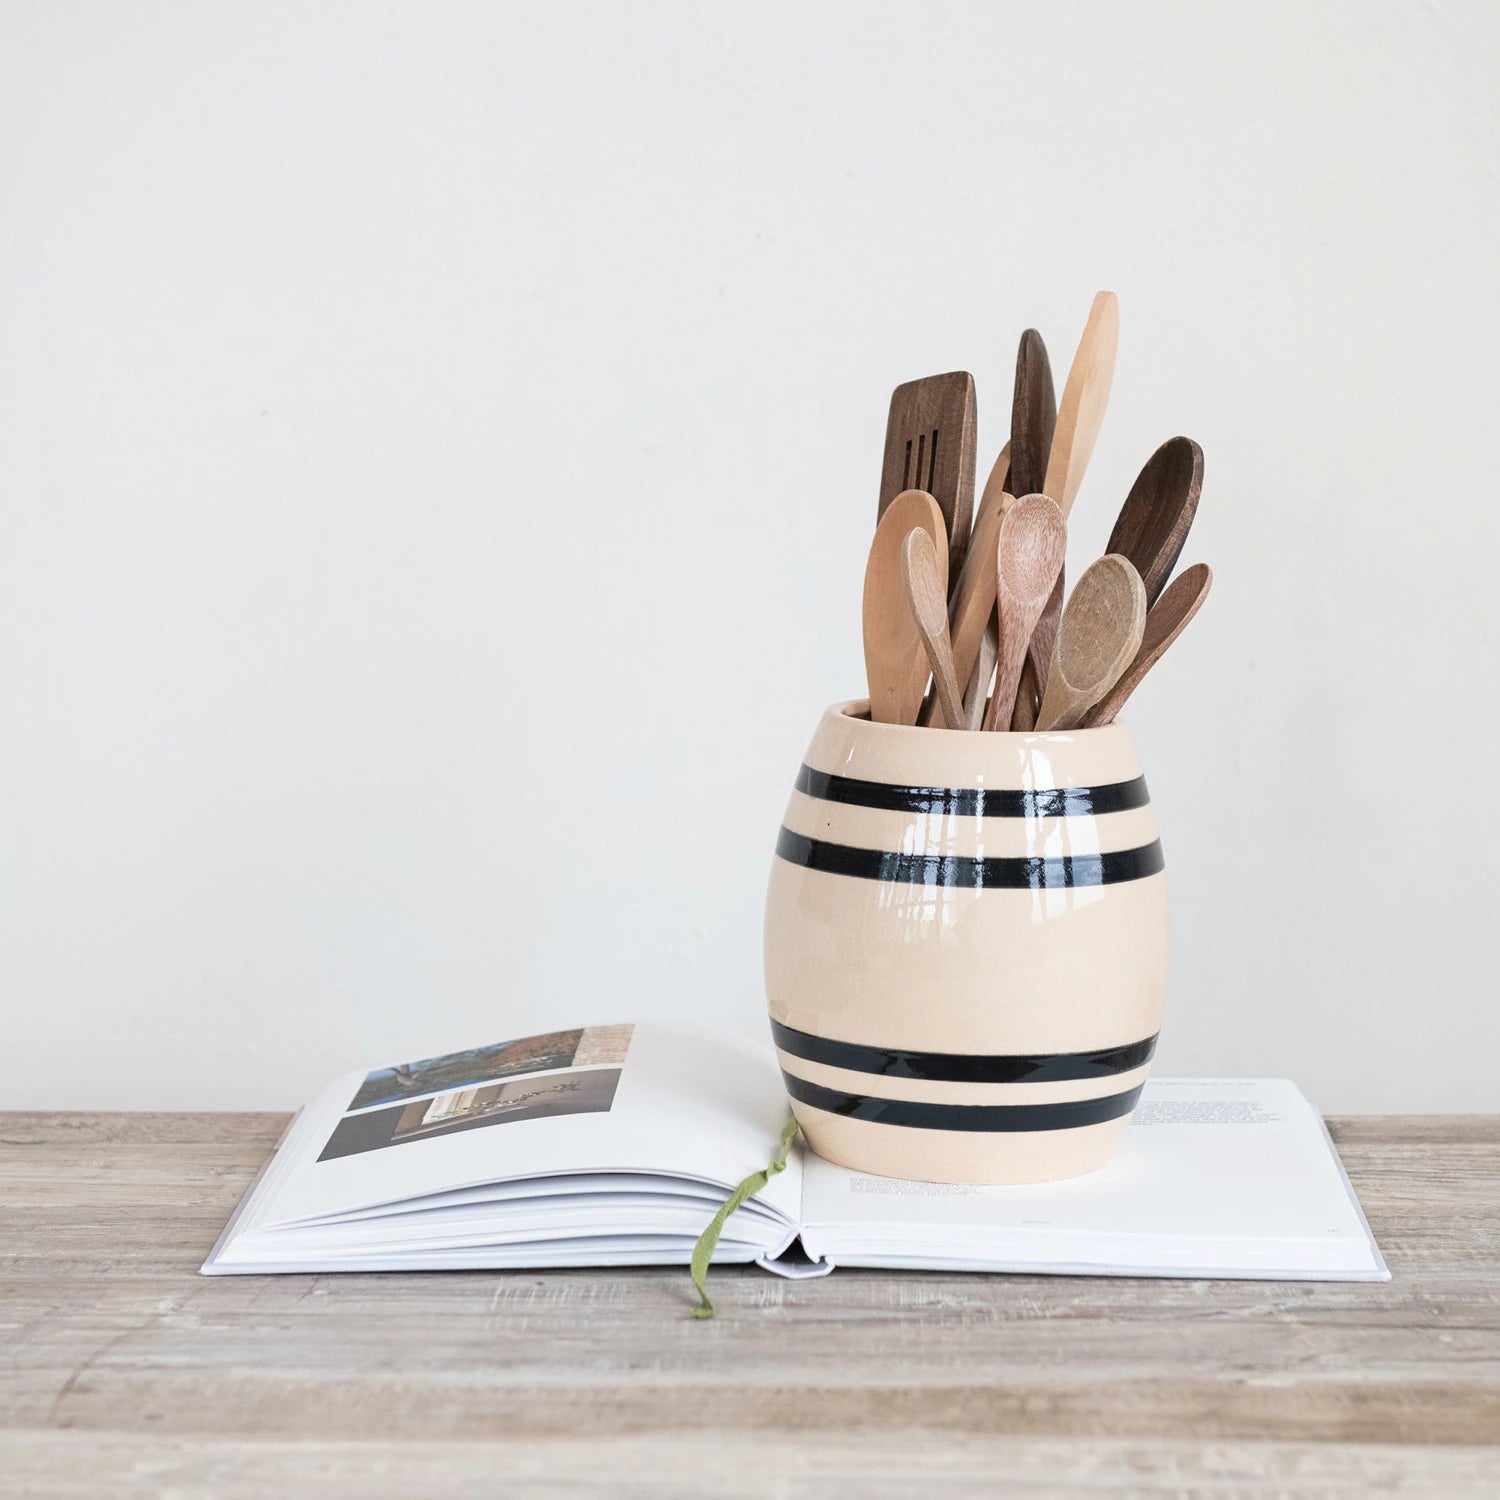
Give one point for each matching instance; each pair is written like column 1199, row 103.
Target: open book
column 615, row 1145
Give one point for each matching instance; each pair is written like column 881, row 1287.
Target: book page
column 650, row 1098
column 1214, row 1176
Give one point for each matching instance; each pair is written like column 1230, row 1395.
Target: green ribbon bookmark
column 703, row 1251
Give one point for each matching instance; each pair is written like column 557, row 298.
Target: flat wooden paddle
column 895, row 659
column 1169, row 617
column 1033, row 538
column 930, row 439
column 1097, row 639
column 1079, row 418
column 1154, row 521
column 925, row 580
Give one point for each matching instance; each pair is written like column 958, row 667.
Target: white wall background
column 438, row 450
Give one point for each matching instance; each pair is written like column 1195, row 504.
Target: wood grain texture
column 973, row 602
column 1167, row 619
column 896, row 669
column 1098, row 638
column 1085, row 396
column 926, row 585
column 930, row 444
column 1158, row 512
column 1033, row 416
column 125, row 1374
column 1029, row 559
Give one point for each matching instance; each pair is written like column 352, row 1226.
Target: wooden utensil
column 973, row 601
column 1033, row 416
column 999, row 481
column 1097, row 639
column 895, row 659
column 1167, row 620
column 1033, row 538
column 978, row 690
column 1154, row 521
column 929, row 445
column 926, row 584
column 1084, row 398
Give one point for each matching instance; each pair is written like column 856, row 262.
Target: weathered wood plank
column 118, row 1362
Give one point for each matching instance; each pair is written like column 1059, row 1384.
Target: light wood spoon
column 930, row 438
column 1097, row 639
column 1154, row 521
column 973, row 601
column 1079, row 418
column 895, row 659
column 1169, row 617
column 926, row 583
column 1033, row 539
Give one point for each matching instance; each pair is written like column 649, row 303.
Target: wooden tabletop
column 123, row 1372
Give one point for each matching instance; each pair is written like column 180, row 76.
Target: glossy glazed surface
column 966, row 947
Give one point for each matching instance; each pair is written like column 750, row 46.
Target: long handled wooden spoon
column 1154, row 521
column 929, row 445
column 1079, row 418
column 926, row 584
column 1097, row 639
column 1033, row 416
column 895, row 660
column 973, row 601
column 1167, row 620
column 1033, row 538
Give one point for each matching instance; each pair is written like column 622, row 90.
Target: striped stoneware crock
column 966, row 948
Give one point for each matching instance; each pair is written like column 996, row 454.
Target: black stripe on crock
column 963, row 1067
column 963, row 871
column 975, row 802
column 922, row 1114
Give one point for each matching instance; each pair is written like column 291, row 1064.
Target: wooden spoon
column 1033, row 538
column 926, row 583
column 1154, row 520
column 1169, row 617
column 973, row 601
column 1079, row 419
column 929, row 445
column 895, row 660
column 1097, row 639
column 1033, row 416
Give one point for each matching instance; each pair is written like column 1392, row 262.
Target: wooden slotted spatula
column 1079, row 418
column 895, row 659
column 929, row 445
column 1154, row 520
column 1033, row 538
column 1097, row 638
column 1167, row 620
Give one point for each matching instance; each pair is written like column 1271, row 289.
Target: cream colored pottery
column 966, row 948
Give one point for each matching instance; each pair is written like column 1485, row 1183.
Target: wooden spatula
column 1167, row 620
column 1033, row 538
column 1079, row 419
column 1158, row 511
column 973, row 600
column 895, row 659
column 1033, row 416
column 929, row 445
column 1097, row 639
column 926, row 583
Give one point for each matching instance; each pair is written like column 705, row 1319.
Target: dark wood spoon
column 1158, row 511
column 1169, row 617
column 1033, row 416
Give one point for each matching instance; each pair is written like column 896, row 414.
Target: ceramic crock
column 966, row 948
